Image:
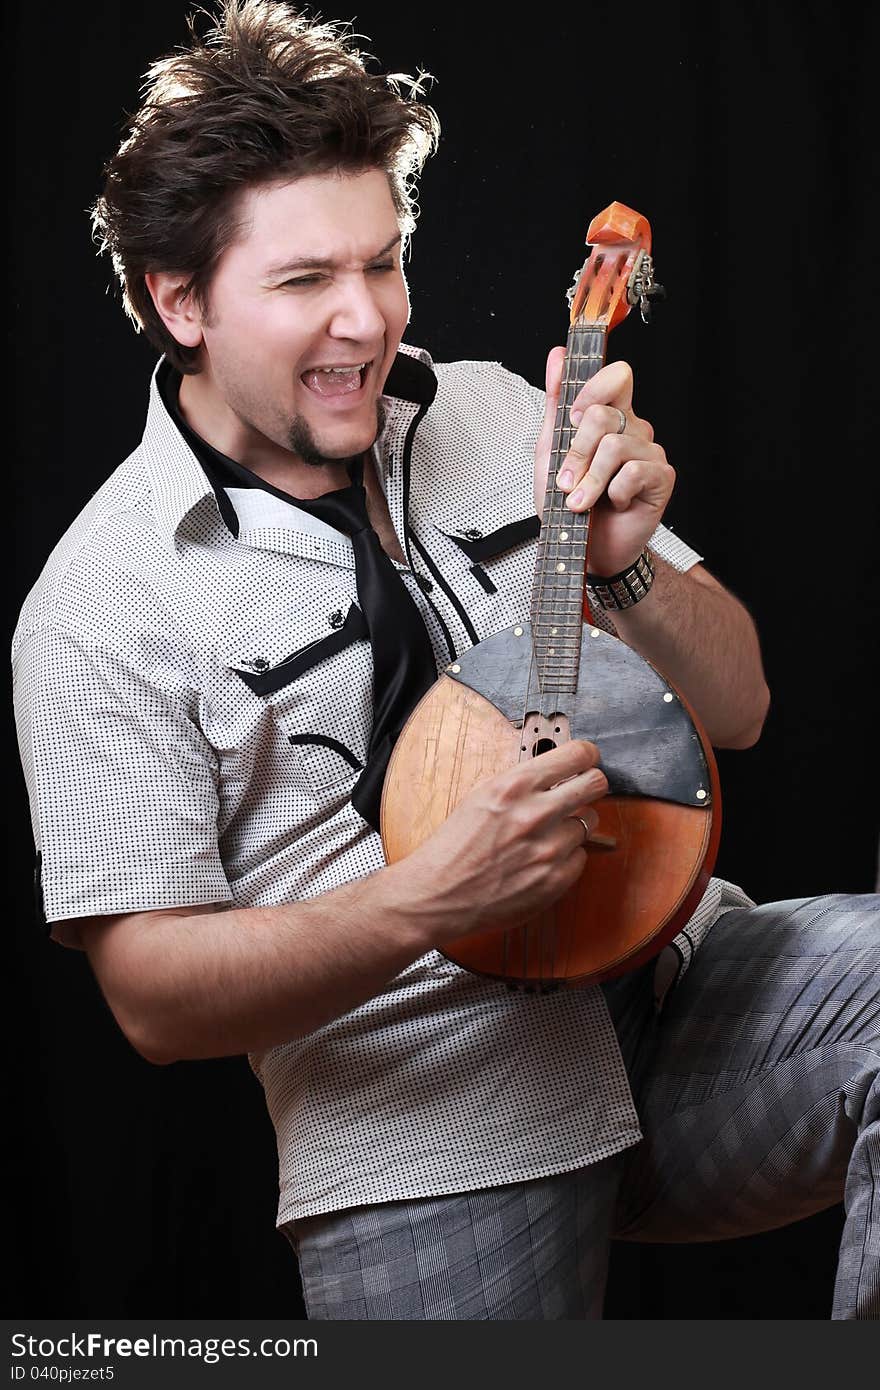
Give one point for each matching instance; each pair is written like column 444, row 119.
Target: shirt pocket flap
column 314, row 675
column 298, row 648
column 490, row 525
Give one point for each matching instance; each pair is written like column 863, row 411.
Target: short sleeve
column 121, row 780
column 673, row 549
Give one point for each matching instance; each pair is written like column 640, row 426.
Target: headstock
column 619, row 273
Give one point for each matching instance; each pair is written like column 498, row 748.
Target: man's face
column 314, row 281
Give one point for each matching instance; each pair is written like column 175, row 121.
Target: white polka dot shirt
column 192, row 717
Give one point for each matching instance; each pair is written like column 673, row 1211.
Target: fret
column 545, row 637
column 547, row 567
column 561, row 586
column 563, row 549
column 550, row 578
column 573, row 609
column 549, row 584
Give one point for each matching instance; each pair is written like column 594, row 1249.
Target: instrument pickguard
column 647, row 742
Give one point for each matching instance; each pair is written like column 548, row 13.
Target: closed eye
column 304, row 280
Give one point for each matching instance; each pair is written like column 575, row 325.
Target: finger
column 608, row 458
column 572, row 834
column 553, row 374
column 588, row 814
column 543, row 445
column 558, row 804
column 613, row 385
column 638, row 480
column 597, row 423
column 645, row 480
column 567, row 761
column 570, row 797
column 584, row 820
column 552, row 386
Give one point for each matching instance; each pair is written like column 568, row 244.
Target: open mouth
column 344, row 380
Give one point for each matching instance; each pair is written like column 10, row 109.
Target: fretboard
column 558, row 585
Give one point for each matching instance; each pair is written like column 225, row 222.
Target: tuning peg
column 642, row 287
column 649, row 293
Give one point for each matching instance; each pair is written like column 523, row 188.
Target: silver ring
column 623, row 421
column 587, row 831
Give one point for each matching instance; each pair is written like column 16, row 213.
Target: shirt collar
column 179, row 482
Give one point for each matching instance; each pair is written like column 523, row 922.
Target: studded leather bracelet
column 622, row 590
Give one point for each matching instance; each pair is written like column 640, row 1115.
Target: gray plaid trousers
column 759, row 1099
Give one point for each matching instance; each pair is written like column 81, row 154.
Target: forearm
column 199, row 982
column 701, row 637
column 214, row 983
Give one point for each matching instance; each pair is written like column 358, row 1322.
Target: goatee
column 302, row 442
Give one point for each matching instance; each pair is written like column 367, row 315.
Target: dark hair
column 266, row 94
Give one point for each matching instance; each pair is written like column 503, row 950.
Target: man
column 211, row 674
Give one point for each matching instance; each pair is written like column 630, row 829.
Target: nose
column 357, row 314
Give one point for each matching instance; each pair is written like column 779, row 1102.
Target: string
column 556, row 518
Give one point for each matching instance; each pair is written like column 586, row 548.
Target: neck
column 560, row 567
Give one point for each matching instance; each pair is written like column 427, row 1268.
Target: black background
column 742, row 132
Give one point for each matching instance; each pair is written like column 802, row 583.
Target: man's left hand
column 624, row 477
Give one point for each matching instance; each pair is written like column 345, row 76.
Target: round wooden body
column 631, row 899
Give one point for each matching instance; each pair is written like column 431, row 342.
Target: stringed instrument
column 553, row 677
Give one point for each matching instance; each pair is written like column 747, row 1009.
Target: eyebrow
column 321, row 262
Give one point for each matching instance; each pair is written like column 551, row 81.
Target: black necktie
column 403, row 659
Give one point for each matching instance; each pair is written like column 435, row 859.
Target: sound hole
column 543, row 745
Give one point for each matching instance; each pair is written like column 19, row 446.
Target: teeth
column 358, row 368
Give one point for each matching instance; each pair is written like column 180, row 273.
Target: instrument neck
column 560, row 568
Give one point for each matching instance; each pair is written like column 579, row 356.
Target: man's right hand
column 512, row 847
column 203, row 981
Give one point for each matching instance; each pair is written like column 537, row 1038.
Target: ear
column 179, row 313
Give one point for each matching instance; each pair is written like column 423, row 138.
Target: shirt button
column 336, row 619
